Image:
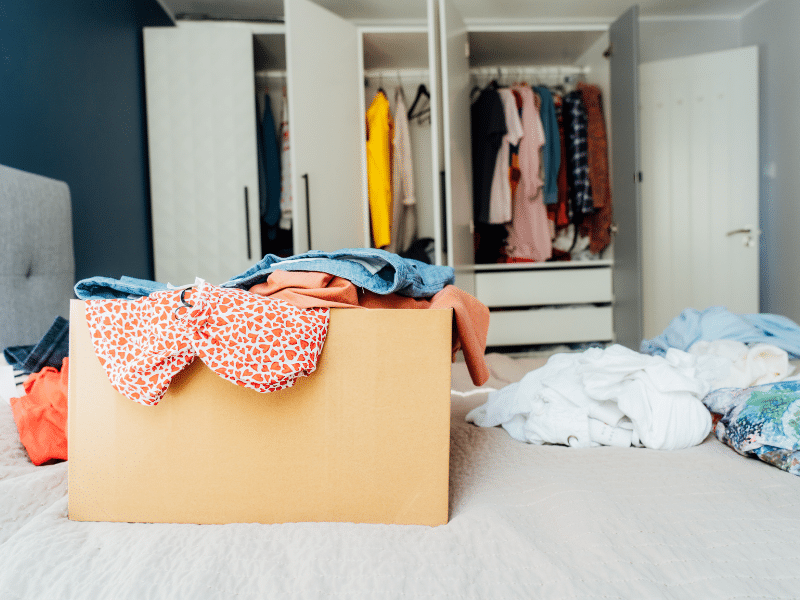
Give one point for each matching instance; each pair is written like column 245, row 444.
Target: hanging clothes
column 551, row 156
column 488, row 126
column 577, row 156
column 270, row 196
column 379, row 168
column 598, row 225
column 528, row 231
column 404, row 203
column 285, row 222
column 500, row 192
column 559, row 212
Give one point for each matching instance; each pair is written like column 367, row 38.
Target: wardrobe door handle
column 308, row 212
column 247, row 224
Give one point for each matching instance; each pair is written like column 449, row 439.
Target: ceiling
column 473, row 11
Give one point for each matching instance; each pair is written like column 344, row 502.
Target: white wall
column 774, row 27
column 663, row 39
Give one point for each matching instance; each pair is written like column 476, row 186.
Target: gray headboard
column 37, row 263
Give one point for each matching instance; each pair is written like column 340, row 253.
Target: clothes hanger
column 422, row 95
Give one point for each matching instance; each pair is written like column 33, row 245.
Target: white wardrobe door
column 202, row 146
column 625, row 166
column 457, row 144
column 324, row 118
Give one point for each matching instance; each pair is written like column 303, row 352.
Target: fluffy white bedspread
column 525, row 522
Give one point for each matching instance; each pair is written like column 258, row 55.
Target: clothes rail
column 535, row 71
column 392, row 75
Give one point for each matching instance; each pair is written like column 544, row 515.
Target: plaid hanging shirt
column 577, row 155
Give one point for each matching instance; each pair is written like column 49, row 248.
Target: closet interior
column 568, row 298
column 397, row 64
column 273, row 137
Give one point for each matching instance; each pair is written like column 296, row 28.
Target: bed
column 525, row 521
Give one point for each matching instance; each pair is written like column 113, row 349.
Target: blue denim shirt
column 369, row 268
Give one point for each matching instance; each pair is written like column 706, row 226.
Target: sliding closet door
column 457, row 145
column 627, row 271
column 324, row 121
column 202, row 146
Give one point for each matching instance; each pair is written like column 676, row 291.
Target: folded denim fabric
column 107, row 288
column 372, row 269
column 49, row 352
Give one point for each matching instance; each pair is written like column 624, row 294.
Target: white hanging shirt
column 403, row 199
column 500, row 193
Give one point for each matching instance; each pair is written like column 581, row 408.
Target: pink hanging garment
column 529, row 231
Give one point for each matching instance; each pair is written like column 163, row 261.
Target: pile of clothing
column 708, row 368
column 262, row 329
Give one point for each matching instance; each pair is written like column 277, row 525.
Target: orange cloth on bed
column 311, row 289
column 41, row 414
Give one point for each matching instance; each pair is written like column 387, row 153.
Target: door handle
column 247, row 224
column 749, row 232
column 308, row 212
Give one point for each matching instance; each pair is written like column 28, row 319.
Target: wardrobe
column 548, row 303
column 200, row 80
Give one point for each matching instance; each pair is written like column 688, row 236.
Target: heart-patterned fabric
column 260, row 343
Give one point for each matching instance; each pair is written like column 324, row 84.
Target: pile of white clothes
column 618, row 397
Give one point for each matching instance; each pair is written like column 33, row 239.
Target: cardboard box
column 365, row 438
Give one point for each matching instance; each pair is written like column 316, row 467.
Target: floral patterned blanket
column 761, row 421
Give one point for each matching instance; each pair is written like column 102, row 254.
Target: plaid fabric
column 598, row 226
column 49, row 352
column 575, row 121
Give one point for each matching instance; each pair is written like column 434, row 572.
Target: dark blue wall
column 72, row 108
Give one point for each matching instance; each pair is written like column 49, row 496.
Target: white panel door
column 700, row 190
column 323, row 85
column 202, row 146
column 457, row 144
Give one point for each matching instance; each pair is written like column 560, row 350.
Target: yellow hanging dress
column 379, row 168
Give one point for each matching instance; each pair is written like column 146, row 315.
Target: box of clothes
column 283, row 395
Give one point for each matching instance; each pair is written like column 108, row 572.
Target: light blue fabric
column 717, row 323
column 551, row 155
column 369, row 268
column 107, row 288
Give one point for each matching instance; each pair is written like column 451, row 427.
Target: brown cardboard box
column 365, row 438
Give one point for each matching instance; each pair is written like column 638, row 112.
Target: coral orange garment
column 263, row 344
column 307, row 289
column 41, row 414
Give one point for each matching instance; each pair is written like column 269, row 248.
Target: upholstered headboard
column 37, row 264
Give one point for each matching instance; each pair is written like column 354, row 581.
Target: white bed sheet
column 525, row 522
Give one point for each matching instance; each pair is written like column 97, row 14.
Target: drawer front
column 550, row 326
column 542, row 287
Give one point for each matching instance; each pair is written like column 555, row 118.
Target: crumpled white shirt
column 612, row 396
column 749, row 365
